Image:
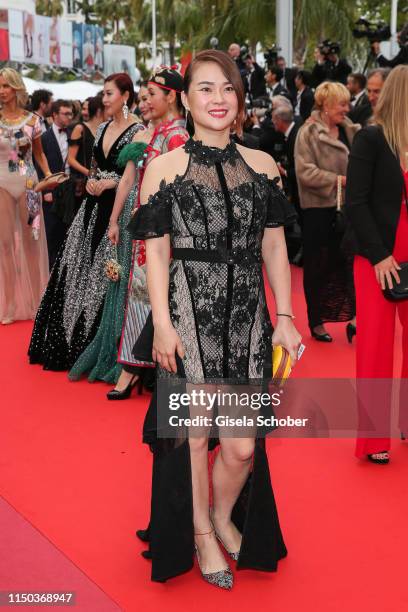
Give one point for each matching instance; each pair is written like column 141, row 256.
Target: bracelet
column 283, row 314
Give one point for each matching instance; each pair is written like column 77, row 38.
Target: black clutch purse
column 399, row 291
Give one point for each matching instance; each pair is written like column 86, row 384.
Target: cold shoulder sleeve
column 279, row 210
column 153, row 219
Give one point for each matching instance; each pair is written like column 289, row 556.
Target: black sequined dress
column 216, row 214
column 70, row 311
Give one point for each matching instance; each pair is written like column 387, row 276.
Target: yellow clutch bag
column 281, row 365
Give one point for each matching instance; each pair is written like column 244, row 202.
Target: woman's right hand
column 385, row 270
column 343, row 181
column 166, row 342
column 113, row 233
column 90, row 186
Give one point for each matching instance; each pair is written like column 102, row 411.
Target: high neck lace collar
column 211, row 155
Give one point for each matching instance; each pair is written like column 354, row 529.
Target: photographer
column 400, row 58
column 329, row 66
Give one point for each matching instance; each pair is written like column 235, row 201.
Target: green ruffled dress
column 99, row 359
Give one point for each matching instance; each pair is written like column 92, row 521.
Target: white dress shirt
column 62, row 139
column 357, row 97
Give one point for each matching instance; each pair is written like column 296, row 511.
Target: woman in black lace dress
column 70, row 311
column 219, row 208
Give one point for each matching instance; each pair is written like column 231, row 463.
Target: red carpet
column 72, row 466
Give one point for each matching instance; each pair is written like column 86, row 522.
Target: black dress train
column 70, row 311
column 216, row 214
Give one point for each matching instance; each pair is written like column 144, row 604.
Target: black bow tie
column 62, row 130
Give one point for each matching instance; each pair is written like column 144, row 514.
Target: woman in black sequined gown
column 70, row 311
column 221, row 212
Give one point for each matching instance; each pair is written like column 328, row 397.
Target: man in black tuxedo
column 288, row 78
column 360, row 107
column 255, row 79
column 55, row 146
column 305, row 96
column 273, row 78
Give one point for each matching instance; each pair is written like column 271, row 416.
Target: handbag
column 399, row 291
column 281, row 365
column 339, row 221
column 51, row 181
column 113, row 269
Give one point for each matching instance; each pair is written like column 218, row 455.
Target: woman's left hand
column 287, row 335
column 102, row 185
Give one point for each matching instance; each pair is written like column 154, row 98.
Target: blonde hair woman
column 321, row 156
column 23, row 247
column 377, row 207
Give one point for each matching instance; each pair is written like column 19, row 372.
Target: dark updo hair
column 230, row 71
column 94, row 104
column 124, row 83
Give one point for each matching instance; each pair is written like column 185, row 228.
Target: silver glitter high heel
column 223, row 578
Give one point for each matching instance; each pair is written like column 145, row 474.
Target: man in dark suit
column 255, row 79
column 288, row 125
column 288, row 78
column 305, row 96
column 360, row 108
column 55, row 146
column 375, row 82
column 273, row 78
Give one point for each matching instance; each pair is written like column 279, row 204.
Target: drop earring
column 125, row 111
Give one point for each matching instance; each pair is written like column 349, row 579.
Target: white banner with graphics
column 16, row 35
column 41, row 40
column 66, row 43
column 120, row 58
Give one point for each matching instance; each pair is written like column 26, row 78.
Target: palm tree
column 50, row 8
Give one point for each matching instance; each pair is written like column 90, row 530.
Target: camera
column 271, row 55
column 328, row 47
column 374, row 32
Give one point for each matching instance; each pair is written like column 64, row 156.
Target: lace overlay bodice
column 221, row 205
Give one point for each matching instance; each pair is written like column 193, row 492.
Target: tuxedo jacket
column 306, row 103
column 52, row 152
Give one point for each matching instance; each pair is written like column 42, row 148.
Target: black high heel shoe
column 351, row 331
column 136, row 381
column 321, row 337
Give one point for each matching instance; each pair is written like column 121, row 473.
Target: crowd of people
column 155, row 245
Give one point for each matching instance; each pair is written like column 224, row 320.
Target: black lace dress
column 216, row 214
column 70, row 311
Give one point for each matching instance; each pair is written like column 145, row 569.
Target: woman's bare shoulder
column 259, row 161
column 170, row 164
column 165, row 168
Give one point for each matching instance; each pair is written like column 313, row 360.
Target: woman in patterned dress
column 23, row 245
column 70, row 311
column 164, row 89
column 218, row 207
